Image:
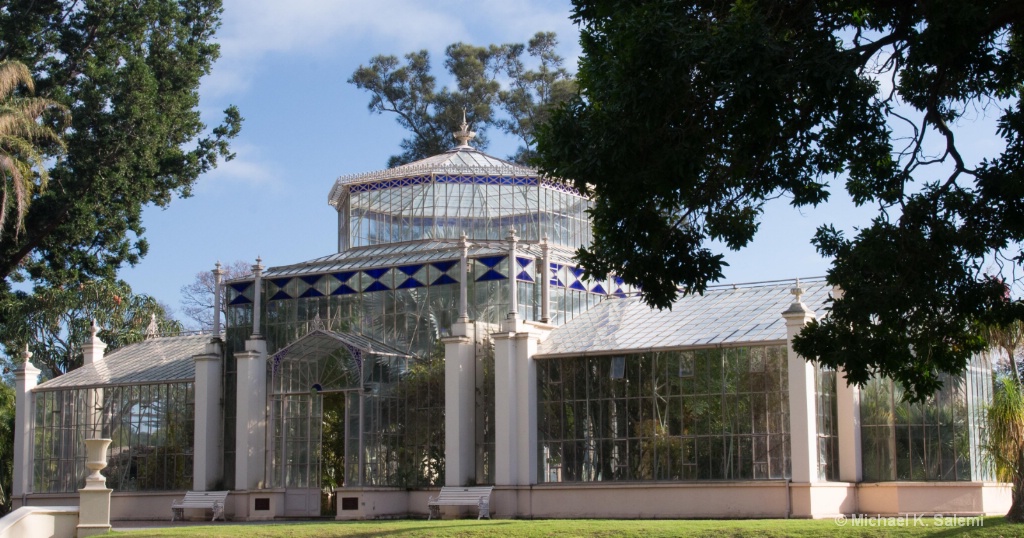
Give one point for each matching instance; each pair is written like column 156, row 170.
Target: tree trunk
column 1016, row 513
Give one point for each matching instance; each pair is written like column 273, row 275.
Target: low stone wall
column 55, row 522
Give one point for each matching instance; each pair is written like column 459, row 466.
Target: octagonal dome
column 460, row 191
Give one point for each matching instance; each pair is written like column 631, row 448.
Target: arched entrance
column 345, row 370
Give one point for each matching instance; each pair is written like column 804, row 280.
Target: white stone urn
column 96, row 460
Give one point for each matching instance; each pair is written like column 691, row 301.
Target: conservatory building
column 451, row 341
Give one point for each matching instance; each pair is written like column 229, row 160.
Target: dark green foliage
column 128, row 72
column 691, row 116
column 432, row 116
column 54, row 322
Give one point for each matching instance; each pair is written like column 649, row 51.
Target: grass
column 926, row 526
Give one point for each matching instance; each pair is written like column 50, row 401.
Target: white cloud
column 254, row 29
column 247, row 168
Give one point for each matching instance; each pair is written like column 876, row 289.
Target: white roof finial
column 464, row 135
column 152, row 330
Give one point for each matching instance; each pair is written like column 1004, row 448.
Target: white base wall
column 726, row 500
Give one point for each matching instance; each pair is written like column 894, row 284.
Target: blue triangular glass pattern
column 444, row 266
column 411, row 283
column 280, row 295
column 241, row 299
column 376, row 273
column 599, row 289
column 409, row 269
column 524, row 276
column 240, row 286
column 343, row 290
column 523, row 262
column 491, row 261
column 619, row 293
column 312, row 292
column 343, row 277
column 311, row 279
column 376, row 286
column 280, row 282
column 576, row 271
column 577, row 286
column 491, row 275
column 444, row 279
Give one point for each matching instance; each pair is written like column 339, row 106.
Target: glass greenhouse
column 452, row 341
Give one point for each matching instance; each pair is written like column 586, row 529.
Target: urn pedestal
column 94, row 498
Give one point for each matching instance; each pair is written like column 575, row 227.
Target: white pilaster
column 526, row 430
column 251, row 415
column 802, row 419
column 93, row 349
column 851, row 468
column 26, row 377
column 544, row 281
column 460, row 406
column 506, row 410
column 208, row 416
column 513, row 266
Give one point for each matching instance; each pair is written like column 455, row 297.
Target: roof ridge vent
column 464, row 135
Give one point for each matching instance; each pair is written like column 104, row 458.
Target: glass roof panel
column 726, row 315
column 157, row 360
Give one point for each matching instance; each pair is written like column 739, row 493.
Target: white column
column 251, row 415
column 251, row 400
column 513, row 266
column 851, row 468
column 93, row 349
column 506, row 410
column 208, row 415
column 26, row 377
column 544, row 281
column 218, row 279
column 802, row 419
column 459, row 407
column 464, row 280
column 526, row 430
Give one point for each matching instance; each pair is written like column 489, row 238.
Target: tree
column 690, row 116
column 22, row 142
column 55, row 322
column 1008, row 338
column 430, row 116
column 128, row 73
column 1005, row 418
column 197, row 297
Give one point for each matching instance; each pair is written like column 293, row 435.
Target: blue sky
column 285, row 65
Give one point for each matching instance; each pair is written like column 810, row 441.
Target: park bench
column 212, row 500
column 479, row 496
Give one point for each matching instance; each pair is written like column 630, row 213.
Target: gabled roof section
column 156, row 360
column 461, row 160
column 722, row 316
column 319, row 339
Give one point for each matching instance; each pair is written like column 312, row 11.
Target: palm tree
column 1005, row 443
column 23, row 138
column 1009, row 338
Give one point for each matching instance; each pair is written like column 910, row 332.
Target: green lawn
column 926, row 526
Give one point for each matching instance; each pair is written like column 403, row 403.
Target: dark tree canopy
column 431, row 116
column 690, row 116
column 128, row 73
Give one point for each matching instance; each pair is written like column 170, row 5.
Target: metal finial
column 152, row 330
column 797, row 290
column 464, row 135
column 93, row 329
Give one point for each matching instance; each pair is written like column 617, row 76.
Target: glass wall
column 483, row 207
column 825, row 417
column 934, row 440
column 152, row 428
column 711, row 414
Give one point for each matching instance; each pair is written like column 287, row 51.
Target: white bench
column 478, row 496
column 212, row 500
